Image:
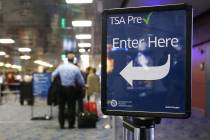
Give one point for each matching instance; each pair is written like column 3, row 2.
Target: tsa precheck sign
column 146, row 62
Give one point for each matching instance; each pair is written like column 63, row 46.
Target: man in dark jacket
column 70, row 76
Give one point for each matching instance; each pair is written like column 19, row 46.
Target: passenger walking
column 70, row 76
column 87, row 71
column 93, row 83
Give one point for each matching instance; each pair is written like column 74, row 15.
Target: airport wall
column 201, row 62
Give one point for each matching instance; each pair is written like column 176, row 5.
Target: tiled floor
column 15, row 124
column 197, row 127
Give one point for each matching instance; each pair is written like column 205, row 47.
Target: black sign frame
column 189, row 19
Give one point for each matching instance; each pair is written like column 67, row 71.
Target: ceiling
column 199, row 6
column 37, row 24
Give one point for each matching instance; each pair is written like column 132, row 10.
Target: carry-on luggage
column 90, row 107
column 88, row 118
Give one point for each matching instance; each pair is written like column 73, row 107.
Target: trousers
column 67, row 98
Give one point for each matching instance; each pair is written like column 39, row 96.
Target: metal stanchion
column 125, row 133
column 136, row 134
column 142, row 128
column 114, row 127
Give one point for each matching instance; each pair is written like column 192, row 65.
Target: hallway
column 15, row 124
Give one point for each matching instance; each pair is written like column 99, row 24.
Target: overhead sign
column 146, row 61
column 41, row 84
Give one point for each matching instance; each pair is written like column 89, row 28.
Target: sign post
column 141, row 128
column 146, row 64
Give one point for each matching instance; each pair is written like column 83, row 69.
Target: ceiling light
column 18, row 77
column 1, row 64
column 84, row 45
column 24, row 49
column 85, row 61
column 25, row 57
column 82, row 23
column 2, row 53
column 7, row 41
column 6, row 56
column 42, row 63
column 82, row 50
column 83, row 36
column 16, row 67
column 7, row 65
column 78, row 1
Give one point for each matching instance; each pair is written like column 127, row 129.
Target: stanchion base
column 45, row 118
column 143, row 128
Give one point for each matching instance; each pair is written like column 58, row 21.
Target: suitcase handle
column 88, row 102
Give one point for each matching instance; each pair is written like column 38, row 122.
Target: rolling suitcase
column 88, row 118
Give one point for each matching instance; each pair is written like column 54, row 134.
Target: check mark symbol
column 147, row 19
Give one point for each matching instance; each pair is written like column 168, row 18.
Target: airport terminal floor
column 137, row 60
column 16, row 124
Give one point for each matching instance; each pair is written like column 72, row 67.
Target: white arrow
column 130, row 73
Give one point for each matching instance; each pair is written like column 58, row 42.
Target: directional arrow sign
column 131, row 73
